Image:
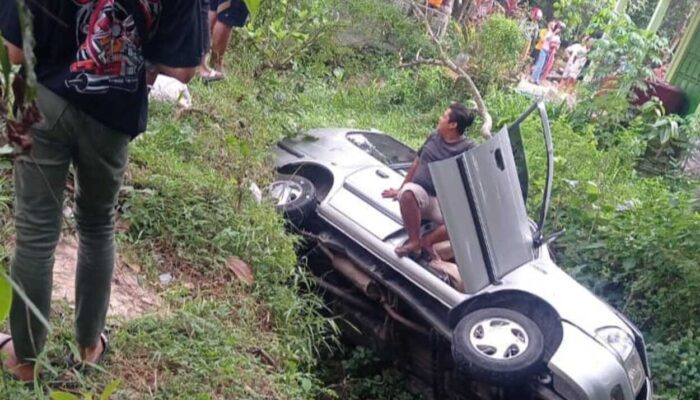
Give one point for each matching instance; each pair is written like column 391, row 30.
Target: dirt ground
column 129, row 298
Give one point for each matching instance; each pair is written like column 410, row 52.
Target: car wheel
column 498, row 346
column 294, row 197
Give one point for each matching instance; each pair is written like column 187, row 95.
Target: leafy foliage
column 578, row 14
column 631, row 239
column 493, row 50
column 365, row 375
column 622, row 59
column 677, row 367
column 670, row 139
column 283, row 33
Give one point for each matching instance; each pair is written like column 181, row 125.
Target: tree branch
column 421, row 61
column 446, row 61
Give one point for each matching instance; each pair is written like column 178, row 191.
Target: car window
column 384, row 148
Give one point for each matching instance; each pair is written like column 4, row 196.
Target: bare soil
column 129, row 300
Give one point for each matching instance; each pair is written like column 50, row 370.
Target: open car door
column 483, row 205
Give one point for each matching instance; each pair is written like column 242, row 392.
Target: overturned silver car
column 498, row 319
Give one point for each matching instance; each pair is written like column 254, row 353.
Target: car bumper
column 582, row 369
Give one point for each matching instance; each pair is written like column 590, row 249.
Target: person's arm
column 183, row 75
column 411, row 171
column 176, row 48
column 15, row 53
column 391, row 193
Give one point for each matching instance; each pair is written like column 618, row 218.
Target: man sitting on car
column 416, row 195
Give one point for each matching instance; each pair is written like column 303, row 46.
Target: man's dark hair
column 463, row 116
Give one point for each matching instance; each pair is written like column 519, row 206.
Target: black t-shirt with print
column 93, row 53
column 436, row 148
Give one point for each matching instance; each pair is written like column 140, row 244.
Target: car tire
column 294, row 197
column 498, row 346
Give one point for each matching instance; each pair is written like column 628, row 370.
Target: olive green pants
column 99, row 156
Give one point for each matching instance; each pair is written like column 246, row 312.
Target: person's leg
column 213, row 5
column 221, row 37
column 230, row 14
column 39, row 182
column 212, row 22
column 539, row 66
column 206, row 40
column 100, row 162
column 410, row 213
column 438, row 235
column 549, row 65
column 207, row 19
column 563, row 83
column 413, row 201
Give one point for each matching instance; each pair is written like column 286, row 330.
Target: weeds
column 186, row 209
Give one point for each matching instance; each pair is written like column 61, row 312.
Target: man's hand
column 390, row 193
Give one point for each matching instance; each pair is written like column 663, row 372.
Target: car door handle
column 382, row 174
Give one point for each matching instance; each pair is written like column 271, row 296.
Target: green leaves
column 110, row 389
column 63, row 396
column 592, row 191
column 6, row 70
column 623, row 53
column 106, row 394
column 498, row 43
column 5, row 297
column 253, row 7
column 285, row 30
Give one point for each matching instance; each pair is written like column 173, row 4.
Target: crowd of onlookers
column 544, row 44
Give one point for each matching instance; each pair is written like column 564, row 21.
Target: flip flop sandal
column 4, row 340
column 86, row 367
column 212, row 76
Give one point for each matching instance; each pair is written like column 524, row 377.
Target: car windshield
column 384, row 148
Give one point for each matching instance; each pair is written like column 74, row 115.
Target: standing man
column 416, row 195
column 223, row 16
column 91, row 64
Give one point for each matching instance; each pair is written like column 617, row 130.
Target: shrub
column 577, row 14
column 676, row 368
column 494, row 51
column 283, row 31
column 621, row 60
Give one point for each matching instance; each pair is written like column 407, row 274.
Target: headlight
column 635, row 371
column 622, row 345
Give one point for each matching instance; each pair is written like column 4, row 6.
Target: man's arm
column 392, row 193
column 176, row 48
column 183, row 75
column 411, row 171
column 16, row 54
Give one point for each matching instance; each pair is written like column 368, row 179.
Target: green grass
column 188, row 209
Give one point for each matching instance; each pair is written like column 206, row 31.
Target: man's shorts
column 232, row 13
column 428, row 205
